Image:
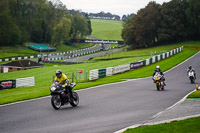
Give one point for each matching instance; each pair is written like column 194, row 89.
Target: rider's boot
column 164, row 83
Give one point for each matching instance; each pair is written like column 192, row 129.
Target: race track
column 102, row 109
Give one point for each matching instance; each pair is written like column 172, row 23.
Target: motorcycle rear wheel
column 75, row 100
column 162, row 88
column 56, row 101
column 192, row 80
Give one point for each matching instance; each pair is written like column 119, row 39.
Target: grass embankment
column 19, row 50
column 43, row 76
column 16, row 51
column 185, row 126
column 106, row 29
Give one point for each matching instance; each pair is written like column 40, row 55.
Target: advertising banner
column 135, row 65
column 7, row 84
column 97, row 41
column 121, row 68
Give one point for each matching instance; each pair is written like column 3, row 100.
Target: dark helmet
column 58, row 73
column 190, row 67
column 157, row 68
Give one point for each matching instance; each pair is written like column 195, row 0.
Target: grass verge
column 195, row 94
column 190, row 126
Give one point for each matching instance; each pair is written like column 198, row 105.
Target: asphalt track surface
column 103, row 109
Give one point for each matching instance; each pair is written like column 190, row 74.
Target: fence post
column 73, row 77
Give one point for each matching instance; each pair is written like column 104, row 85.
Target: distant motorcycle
column 191, row 76
column 157, row 80
column 60, row 96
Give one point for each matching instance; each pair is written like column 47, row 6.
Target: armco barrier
column 100, row 73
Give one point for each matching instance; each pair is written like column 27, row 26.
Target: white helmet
column 157, row 67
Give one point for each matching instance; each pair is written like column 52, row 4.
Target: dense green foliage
column 174, row 21
column 40, row 21
column 185, row 126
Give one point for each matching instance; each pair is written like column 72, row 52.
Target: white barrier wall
column 158, row 57
column 121, row 68
column 154, row 59
column 94, row 74
column 167, row 54
column 147, row 62
column 171, row 52
column 163, row 56
column 30, row 81
column 109, row 71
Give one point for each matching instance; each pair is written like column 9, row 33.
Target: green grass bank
column 185, row 126
column 106, row 29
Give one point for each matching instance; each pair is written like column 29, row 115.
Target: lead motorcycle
column 60, row 96
column 157, row 80
column 191, row 76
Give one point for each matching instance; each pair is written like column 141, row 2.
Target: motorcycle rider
column 191, row 69
column 158, row 70
column 62, row 78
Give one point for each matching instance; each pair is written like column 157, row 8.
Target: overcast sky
column 118, row 7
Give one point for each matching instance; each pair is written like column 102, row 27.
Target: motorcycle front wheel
column 158, row 87
column 56, row 101
column 75, row 100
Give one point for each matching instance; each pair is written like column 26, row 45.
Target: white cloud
column 118, row 7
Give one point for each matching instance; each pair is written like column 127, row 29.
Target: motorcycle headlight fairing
column 53, row 88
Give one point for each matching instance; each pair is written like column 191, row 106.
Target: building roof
column 23, row 64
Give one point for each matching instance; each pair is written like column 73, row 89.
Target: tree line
column 103, row 15
column 171, row 22
column 40, row 21
column 100, row 15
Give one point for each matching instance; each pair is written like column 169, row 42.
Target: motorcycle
column 191, row 76
column 157, row 80
column 60, row 96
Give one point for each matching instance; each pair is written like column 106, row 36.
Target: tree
column 61, row 31
column 172, row 28
column 79, row 26
column 141, row 31
column 9, row 31
column 193, row 18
